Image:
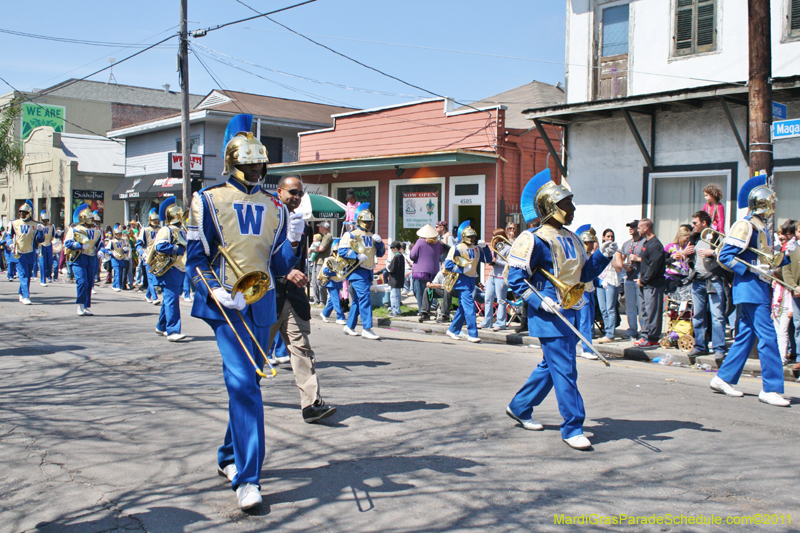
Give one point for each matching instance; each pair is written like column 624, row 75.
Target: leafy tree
column 10, row 148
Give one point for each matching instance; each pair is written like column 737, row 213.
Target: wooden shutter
column 794, row 18
column 705, row 26
column 684, row 18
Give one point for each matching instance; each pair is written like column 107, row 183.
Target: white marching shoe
column 528, row 424
column 283, row 360
column 26, row 301
column 341, row 322
column 81, row 310
column 148, row 300
column 773, row 398
column 369, row 334
column 43, row 284
column 115, row 289
column 176, row 337
column 719, row 385
column 589, row 355
column 474, row 339
column 453, row 335
column 228, row 472
column 249, row 496
column 348, row 331
column 578, row 442
column 156, row 302
column 325, row 319
column 159, row 332
column 87, row 311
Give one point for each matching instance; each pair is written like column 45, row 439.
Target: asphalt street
column 105, row 426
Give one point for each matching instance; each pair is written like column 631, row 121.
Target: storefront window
column 415, row 206
column 362, row 194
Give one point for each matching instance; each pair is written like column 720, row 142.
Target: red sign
column 176, row 162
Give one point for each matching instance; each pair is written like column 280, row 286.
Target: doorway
column 471, row 213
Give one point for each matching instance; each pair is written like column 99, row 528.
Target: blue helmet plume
column 528, row 201
column 235, row 125
column 162, row 209
column 747, row 188
column 464, row 225
column 585, row 227
column 362, row 207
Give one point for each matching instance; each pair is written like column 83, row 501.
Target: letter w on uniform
column 250, row 217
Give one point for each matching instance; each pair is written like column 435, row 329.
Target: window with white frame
column 793, row 19
column 787, row 188
column 675, row 197
column 695, row 27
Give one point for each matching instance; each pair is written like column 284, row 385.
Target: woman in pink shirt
column 714, row 207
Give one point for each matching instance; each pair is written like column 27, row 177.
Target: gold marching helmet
column 26, row 210
column 364, row 218
column 541, row 196
column 244, row 149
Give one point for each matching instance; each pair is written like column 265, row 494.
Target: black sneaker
column 423, row 317
column 318, row 411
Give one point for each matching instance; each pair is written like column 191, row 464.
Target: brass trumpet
column 716, row 240
column 253, row 285
column 499, row 244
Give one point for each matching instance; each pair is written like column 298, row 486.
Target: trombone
column 716, row 240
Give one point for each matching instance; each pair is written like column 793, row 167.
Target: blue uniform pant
column 45, row 263
column 118, row 268
column 333, row 304
column 755, row 323
column 244, row 442
column 35, row 263
column 360, row 280
column 586, row 319
column 558, row 369
column 84, row 269
column 24, row 271
column 151, row 285
column 464, row 287
column 187, row 286
column 169, row 319
column 11, row 265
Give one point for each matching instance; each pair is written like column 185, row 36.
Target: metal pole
column 183, row 62
column 760, row 86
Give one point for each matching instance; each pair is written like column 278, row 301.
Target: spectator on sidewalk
column 435, row 289
column 708, row 292
column 608, row 291
column 425, row 254
column 714, row 207
column 652, row 266
column 677, row 268
column 395, row 273
column 445, row 237
column 630, row 249
column 496, row 287
column 323, row 251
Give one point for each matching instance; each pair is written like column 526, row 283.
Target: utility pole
column 183, row 65
column 760, row 86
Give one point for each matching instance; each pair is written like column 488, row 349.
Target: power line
column 72, row 41
column 220, row 26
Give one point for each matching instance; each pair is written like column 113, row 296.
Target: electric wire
column 72, row 41
column 220, row 26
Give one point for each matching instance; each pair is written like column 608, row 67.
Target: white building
column 657, row 108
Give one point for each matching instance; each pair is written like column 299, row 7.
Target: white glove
column 39, row 227
column 224, row 298
column 608, row 249
column 550, row 306
column 760, row 269
column 238, row 302
column 482, row 243
column 377, row 238
column 362, row 258
column 295, row 227
column 85, row 246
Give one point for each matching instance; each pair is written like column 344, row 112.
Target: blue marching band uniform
column 8, row 248
column 26, row 235
column 557, row 250
column 472, row 252
column 752, row 295
column 169, row 247
column 83, row 238
column 588, row 237
column 328, row 279
column 368, row 247
column 257, row 233
column 46, row 249
column 119, row 248
column 147, row 237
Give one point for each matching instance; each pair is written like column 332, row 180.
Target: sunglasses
column 296, row 192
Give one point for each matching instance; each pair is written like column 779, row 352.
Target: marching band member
column 474, row 251
column 369, row 247
column 555, row 249
column 26, row 234
column 588, row 237
column 120, row 249
column 85, row 239
column 752, row 296
column 259, row 235
column 146, row 239
column 170, row 245
column 46, row 250
column 333, row 287
column 8, row 248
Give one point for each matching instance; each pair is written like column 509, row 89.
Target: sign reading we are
column 35, row 115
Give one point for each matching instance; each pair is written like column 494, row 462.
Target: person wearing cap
column 630, row 249
column 425, row 255
column 323, row 251
column 46, row 250
column 26, row 234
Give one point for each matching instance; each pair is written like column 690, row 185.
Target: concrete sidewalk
column 619, row 349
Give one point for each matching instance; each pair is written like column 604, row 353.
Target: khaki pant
column 295, row 331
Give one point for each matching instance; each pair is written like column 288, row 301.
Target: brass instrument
column 228, row 320
column 161, row 263
column 501, row 246
column 119, row 254
column 336, row 264
column 716, row 240
column 253, row 285
column 81, row 238
column 450, row 278
column 569, row 295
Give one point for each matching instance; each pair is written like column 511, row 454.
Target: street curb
column 620, row 349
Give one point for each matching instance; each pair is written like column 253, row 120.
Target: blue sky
column 494, row 46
